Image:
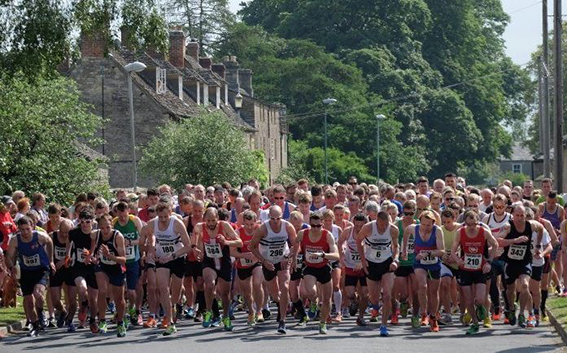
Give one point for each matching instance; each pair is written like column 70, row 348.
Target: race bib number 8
column 213, row 251
column 473, row 261
column 517, row 252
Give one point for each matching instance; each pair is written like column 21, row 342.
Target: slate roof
column 520, row 153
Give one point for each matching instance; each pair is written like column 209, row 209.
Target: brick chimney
column 219, row 69
column 177, row 48
column 206, row 63
column 231, row 72
column 192, row 50
column 93, row 45
column 245, row 80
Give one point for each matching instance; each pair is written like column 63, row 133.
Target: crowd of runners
column 323, row 253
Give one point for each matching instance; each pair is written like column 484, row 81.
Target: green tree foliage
column 439, row 63
column 40, row 125
column 207, row 149
column 147, row 28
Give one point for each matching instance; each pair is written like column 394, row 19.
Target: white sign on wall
column 160, row 81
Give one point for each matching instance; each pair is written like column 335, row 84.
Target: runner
column 62, row 275
column 377, row 244
column 82, row 272
column 171, row 244
column 279, row 200
column 249, row 270
column 130, row 227
column 516, row 241
column 318, row 248
column 270, row 245
column 193, row 279
column 296, row 290
column 108, row 254
column 211, row 243
column 328, row 218
column 474, row 264
column 428, row 248
column 35, row 253
column 555, row 214
column 355, row 277
column 449, row 268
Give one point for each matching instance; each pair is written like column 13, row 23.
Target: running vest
column 309, row 247
column 167, row 242
column 553, row 218
column 472, row 250
column 424, row 247
column 81, row 242
column 411, row 241
column 32, row 255
column 545, row 239
column 243, row 262
column 378, row 246
column 105, row 262
column 233, row 216
column 58, row 248
column 191, row 255
column 130, row 232
column 336, row 232
column 273, row 247
column 352, row 257
column 496, row 226
column 213, row 249
column 286, row 212
column 518, row 254
column 449, row 238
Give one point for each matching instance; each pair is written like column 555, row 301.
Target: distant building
column 521, row 161
column 178, row 86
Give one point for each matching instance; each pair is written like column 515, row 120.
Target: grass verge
column 11, row 315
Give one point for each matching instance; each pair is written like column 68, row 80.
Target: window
column 516, row 168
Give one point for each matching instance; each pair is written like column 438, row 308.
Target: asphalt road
column 191, row 337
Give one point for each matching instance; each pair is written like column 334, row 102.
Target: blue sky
column 523, row 34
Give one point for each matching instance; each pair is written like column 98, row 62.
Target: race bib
column 517, row 252
column 411, row 247
column 130, row 255
column 81, row 255
column 473, row 261
column 59, row 253
column 275, row 253
column 31, row 261
column 428, row 258
column 355, row 257
column 312, row 258
column 299, row 261
column 213, row 251
column 106, row 260
column 246, row 262
column 379, row 253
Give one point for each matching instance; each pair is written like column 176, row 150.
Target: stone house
column 176, row 86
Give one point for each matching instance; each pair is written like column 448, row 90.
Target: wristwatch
column 174, row 255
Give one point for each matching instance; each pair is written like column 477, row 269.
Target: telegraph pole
column 546, row 125
column 558, row 29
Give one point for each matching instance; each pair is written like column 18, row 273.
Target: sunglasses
column 353, row 183
column 409, row 213
column 450, row 199
column 87, row 221
column 275, row 218
column 279, row 198
column 422, row 209
column 248, row 218
column 499, row 207
column 315, row 225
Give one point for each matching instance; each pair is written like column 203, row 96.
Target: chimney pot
column 193, row 50
column 206, row 63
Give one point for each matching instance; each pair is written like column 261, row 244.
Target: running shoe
column 164, row 323
column 467, row 318
column 537, row 320
column 384, row 331
column 322, row 328
column 303, row 322
column 170, row 330
column 71, row 327
column 259, row 317
column 267, row 314
column 338, row 318
column 361, row 322
column 312, row 311
column 251, row 321
column 102, row 327
column 512, row 318
column 395, row 319
column 281, row 327
column 531, row 322
column 94, row 328
column 216, row 321
column 61, row 319
column 487, row 322
column 434, row 326
column 481, row 312
column 150, row 323
column 346, row 313
column 415, row 322
column 121, row 330
column 34, row 331
column 404, row 309
column 353, row 308
column 207, row 319
column 473, row 330
column 521, row 321
column 424, row 320
column 50, row 322
column 82, row 316
column 112, row 307
column 544, row 317
column 139, row 320
column 189, row 313
column 227, row 323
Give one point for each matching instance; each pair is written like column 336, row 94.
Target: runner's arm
column 440, row 243
column 180, row 229
column 120, row 249
column 395, row 247
column 45, row 240
column 259, row 234
column 333, row 254
column 491, row 240
column 231, row 235
column 11, row 253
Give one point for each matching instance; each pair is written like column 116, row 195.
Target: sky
column 522, row 35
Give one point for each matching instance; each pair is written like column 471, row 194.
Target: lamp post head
column 329, row 101
column 238, row 101
column 380, row 117
column 136, row 66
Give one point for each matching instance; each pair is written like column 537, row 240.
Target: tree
column 40, row 125
column 206, row 149
column 146, row 28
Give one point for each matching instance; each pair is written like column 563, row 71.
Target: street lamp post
column 327, row 102
column 136, row 66
column 379, row 119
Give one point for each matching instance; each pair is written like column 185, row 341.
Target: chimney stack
column 245, row 80
column 193, row 50
column 231, row 72
column 93, row 45
column 219, row 69
column 177, row 48
column 206, row 63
